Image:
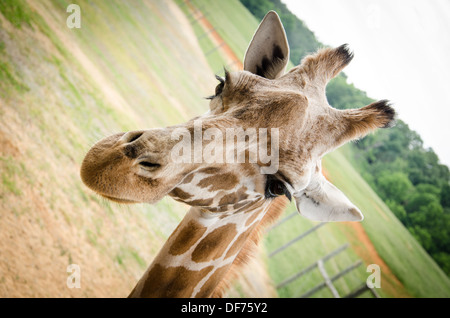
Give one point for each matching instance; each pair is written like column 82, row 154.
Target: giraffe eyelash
column 275, row 187
column 220, row 86
column 220, row 79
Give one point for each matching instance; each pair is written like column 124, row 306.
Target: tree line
column 405, row 174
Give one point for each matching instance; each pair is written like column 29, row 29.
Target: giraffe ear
column 268, row 52
column 322, row 201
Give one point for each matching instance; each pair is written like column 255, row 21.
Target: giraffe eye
column 275, row 188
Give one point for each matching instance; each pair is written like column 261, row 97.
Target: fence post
column 332, row 279
column 327, row 279
column 312, row 266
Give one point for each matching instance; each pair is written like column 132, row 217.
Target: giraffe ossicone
column 236, row 189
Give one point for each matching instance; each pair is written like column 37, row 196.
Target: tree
column 422, row 236
column 429, row 188
column 443, row 259
column 394, row 186
column 398, row 210
column 343, row 95
column 445, row 195
column 428, row 216
column 419, row 199
column 424, row 167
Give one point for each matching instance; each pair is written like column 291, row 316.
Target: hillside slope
column 129, row 67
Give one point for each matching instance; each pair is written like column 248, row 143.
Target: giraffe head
column 259, row 110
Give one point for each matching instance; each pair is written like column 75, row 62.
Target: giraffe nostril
column 131, row 136
column 135, row 137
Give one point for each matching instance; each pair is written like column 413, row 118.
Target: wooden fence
column 319, row 264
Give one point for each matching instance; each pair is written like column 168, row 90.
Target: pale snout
column 129, row 167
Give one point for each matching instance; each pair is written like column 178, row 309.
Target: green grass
column 16, row 12
column 10, row 185
column 11, row 171
column 9, row 83
column 235, row 24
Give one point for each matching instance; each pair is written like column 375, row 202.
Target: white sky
column 402, row 53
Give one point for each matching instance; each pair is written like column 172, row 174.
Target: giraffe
column 231, row 202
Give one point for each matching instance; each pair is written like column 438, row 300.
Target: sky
column 402, row 53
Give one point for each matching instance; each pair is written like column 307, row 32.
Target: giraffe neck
column 199, row 253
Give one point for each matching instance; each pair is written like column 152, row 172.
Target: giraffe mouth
column 118, row 200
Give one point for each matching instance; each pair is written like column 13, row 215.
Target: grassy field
column 61, row 90
column 135, row 65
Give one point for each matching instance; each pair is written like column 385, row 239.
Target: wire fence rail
column 320, row 265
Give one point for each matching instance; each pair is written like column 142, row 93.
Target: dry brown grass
column 48, row 218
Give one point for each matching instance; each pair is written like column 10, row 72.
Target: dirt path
column 227, row 52
column 364, row 248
